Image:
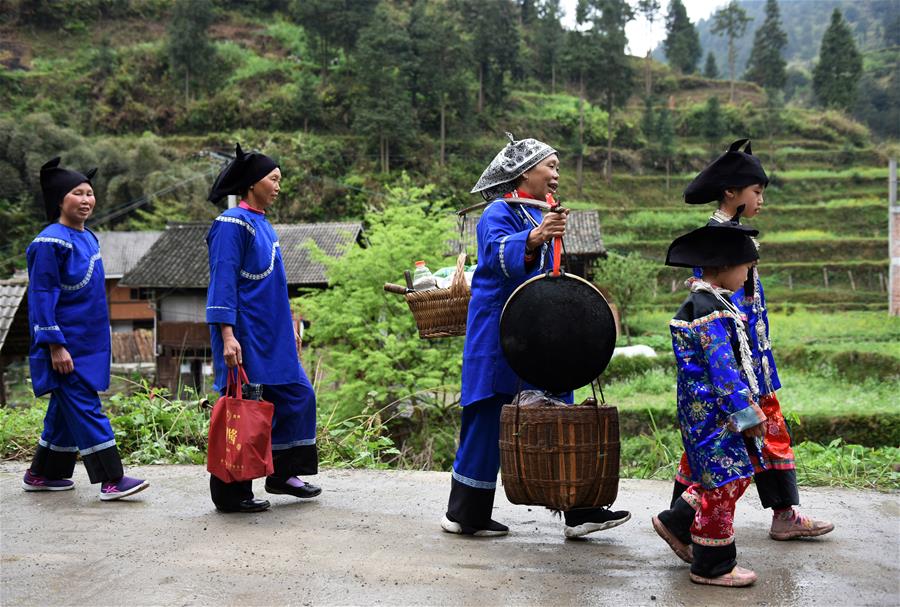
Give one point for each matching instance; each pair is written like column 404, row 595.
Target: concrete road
column 372, row 538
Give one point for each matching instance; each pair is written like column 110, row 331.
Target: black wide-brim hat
column 240, row 174
column 714, row 246
column 56, row 182
column 735, row 168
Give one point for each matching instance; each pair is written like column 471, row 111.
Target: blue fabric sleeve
column 226, row 250
column 43, row 291
column 502, row 243
column 724, row 374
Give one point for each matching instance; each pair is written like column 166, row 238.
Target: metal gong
column 557, row 332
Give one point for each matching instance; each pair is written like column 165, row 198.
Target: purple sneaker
column 125, row 486
column 33, row 482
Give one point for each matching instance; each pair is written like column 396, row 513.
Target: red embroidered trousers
column 714, row 511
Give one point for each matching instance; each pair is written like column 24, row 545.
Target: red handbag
column 240, row 434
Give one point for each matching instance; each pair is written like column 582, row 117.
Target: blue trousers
column 478, row 457
column 75, row 423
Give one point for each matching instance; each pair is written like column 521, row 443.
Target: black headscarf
column 733, row 169
column 714, row 246
column 56, row 182
column 240, row 174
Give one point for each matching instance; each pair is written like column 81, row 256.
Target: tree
column 713, row 122
column 368, row 337
column 495, row 46
column 731, row 22
column 604, row 70
column 333, row 24
column 547, row 42
column 682, row 44
column 190, row 51
column 650, row 10
column 441, row 86
column 711, row 70
column 383, row 64
column 665, row 140
column 648, row 120
column 629, row 279
column 836, row 75
column 767, row 66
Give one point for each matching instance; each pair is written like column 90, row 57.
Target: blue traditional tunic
column 248, row 290
column 502, row 234
column 713, row 392
column 67, row 305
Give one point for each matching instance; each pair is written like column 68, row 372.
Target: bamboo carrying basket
column 442, row 312
column 561, row 457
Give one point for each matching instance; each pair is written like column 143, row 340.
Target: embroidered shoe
column 33, row 482
column 684, row 551
column 736, row 578
column 796, row 525
column 493, row 529
column 123, row 487
column 588, row 520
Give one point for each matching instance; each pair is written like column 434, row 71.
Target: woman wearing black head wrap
column 249, row 313
column 70, row 344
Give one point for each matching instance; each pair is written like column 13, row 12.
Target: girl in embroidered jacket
column 736, row 180
column 718, row 410
column 249, row 313
column 512, row 247
column 70, row 343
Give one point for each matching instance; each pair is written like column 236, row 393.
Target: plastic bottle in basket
column 423, row 279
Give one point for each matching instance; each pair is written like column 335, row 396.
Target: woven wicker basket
column 442, row 312
column 561, row 457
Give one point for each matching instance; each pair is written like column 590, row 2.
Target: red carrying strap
column 236, row 377
column 557, row 242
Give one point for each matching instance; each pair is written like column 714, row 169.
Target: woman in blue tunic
column 513, row 246
column 70, row 343
column 249, row 313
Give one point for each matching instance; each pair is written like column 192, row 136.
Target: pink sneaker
column 796, row 525
column 736, row 578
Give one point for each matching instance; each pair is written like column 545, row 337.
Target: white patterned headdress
column 507, row 166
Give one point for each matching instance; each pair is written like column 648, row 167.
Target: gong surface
column 557, row 332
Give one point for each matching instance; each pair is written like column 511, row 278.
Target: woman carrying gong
column 512, row 248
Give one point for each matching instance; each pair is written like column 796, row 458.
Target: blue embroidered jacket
column 248, row 290
column 502, row 233
column 67, row 305
column 714, row 400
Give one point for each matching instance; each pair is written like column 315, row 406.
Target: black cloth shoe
column 582, row 521
column 489, row 529
column 245, row 506
column 281, row 486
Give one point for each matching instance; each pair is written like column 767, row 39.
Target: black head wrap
column 240, row 174
column 714, row 246
column 733, row 169
column 56, row 182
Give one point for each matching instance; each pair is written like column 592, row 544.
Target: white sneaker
column 494, row 529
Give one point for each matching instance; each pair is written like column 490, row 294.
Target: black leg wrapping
column 103, row 465
column 713, row 561
column 777, row 488
column 678, row 519
column 677, row 490
column 470, row 506
column 296, row 461
column 228, row 495
column 54, row 465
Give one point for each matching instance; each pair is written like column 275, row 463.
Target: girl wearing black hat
column 70, row 343
column 249, row 313
column 717, row 403
column 736, row 180
column 513, row 246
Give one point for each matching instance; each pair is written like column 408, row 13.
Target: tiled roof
column 179, row 258
column 122, row 250
column 582, row 234
column 12, row 310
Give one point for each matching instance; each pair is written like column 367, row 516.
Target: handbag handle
column 236, row 376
